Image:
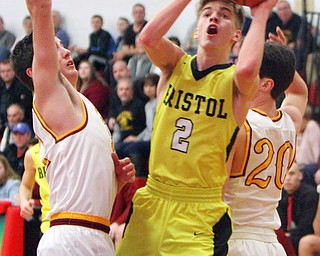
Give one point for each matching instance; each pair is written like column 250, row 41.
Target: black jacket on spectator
column 17, row 163
column 305, row 203
column 101, row 44
column 131, row 118
column 17, row 93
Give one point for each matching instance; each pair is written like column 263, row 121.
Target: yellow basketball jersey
column 194, row 126
column 40, row 178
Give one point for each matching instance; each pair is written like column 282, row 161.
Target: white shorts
column 69, row 240
column 253, row 241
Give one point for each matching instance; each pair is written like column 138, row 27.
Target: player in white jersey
column 77, row 145
column 263, row 152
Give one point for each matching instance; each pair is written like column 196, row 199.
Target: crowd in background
column 116, row 75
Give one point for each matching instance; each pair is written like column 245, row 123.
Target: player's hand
column 113, row 230
column 26, row 209
column 36, row 6
column 124, row 170
column 279, row 37
column 266, row 5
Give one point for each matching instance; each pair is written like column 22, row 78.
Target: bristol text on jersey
column 187, row 101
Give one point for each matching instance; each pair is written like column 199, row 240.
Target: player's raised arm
column 53, row 72
column 45, row 62
column 250, row 58
column 296, row 100
column 162, row 52
column 251, row 53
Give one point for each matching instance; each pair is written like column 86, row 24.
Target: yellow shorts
column 175, row 221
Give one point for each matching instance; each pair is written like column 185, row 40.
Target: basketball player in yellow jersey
column 34, row 172
column 203, row 101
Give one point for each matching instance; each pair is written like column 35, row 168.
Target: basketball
column 249, row 3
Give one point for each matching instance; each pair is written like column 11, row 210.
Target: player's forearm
column 298, row 87
column 45, row 55
column 24, row 194
column 160, row 24
column 296, row 95
column 251, row 53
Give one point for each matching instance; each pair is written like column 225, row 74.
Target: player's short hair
column 278, row 63
column 238, row 10
column 21, row 59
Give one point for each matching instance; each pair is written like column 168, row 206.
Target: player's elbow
column 144, row 40
column 246, row 72
column 147, row 40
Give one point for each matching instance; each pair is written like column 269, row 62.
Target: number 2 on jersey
column 180, row 136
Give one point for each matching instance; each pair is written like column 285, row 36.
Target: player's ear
column 29, row 72
column 237, row 35
column 270, row 84
column 266, row 84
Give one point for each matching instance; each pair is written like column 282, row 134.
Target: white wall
column 77, row 13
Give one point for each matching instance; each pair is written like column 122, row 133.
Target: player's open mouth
column 212, row 30
column 70, row 63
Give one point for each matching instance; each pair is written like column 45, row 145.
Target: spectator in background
column 290, row 22
column 15, row 152
column 122, row 25
column 94, row 87
column 13, row 91
column 120, row 70
column 235, row 51
column 137, row 147
column 7, row 40
column 27, row 24
column 175, row 40
column 308, row 152
column 15, row 114
column 297, row 207
column 310, row 244
column 9, row 181
column 309, row 146
column 130, row 115
column 101, row 45
column 129, row 38
column 298, row 34
column 190, row 44
column 247, row 20
column 139, row 66
column 60, row 32
column 272, row 23
column 306, row 118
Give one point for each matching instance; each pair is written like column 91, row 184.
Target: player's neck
column 267, row 106
column 215, row 57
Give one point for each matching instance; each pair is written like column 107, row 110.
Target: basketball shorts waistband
column 80, row 219
column 254, row 233
column 184, row 194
